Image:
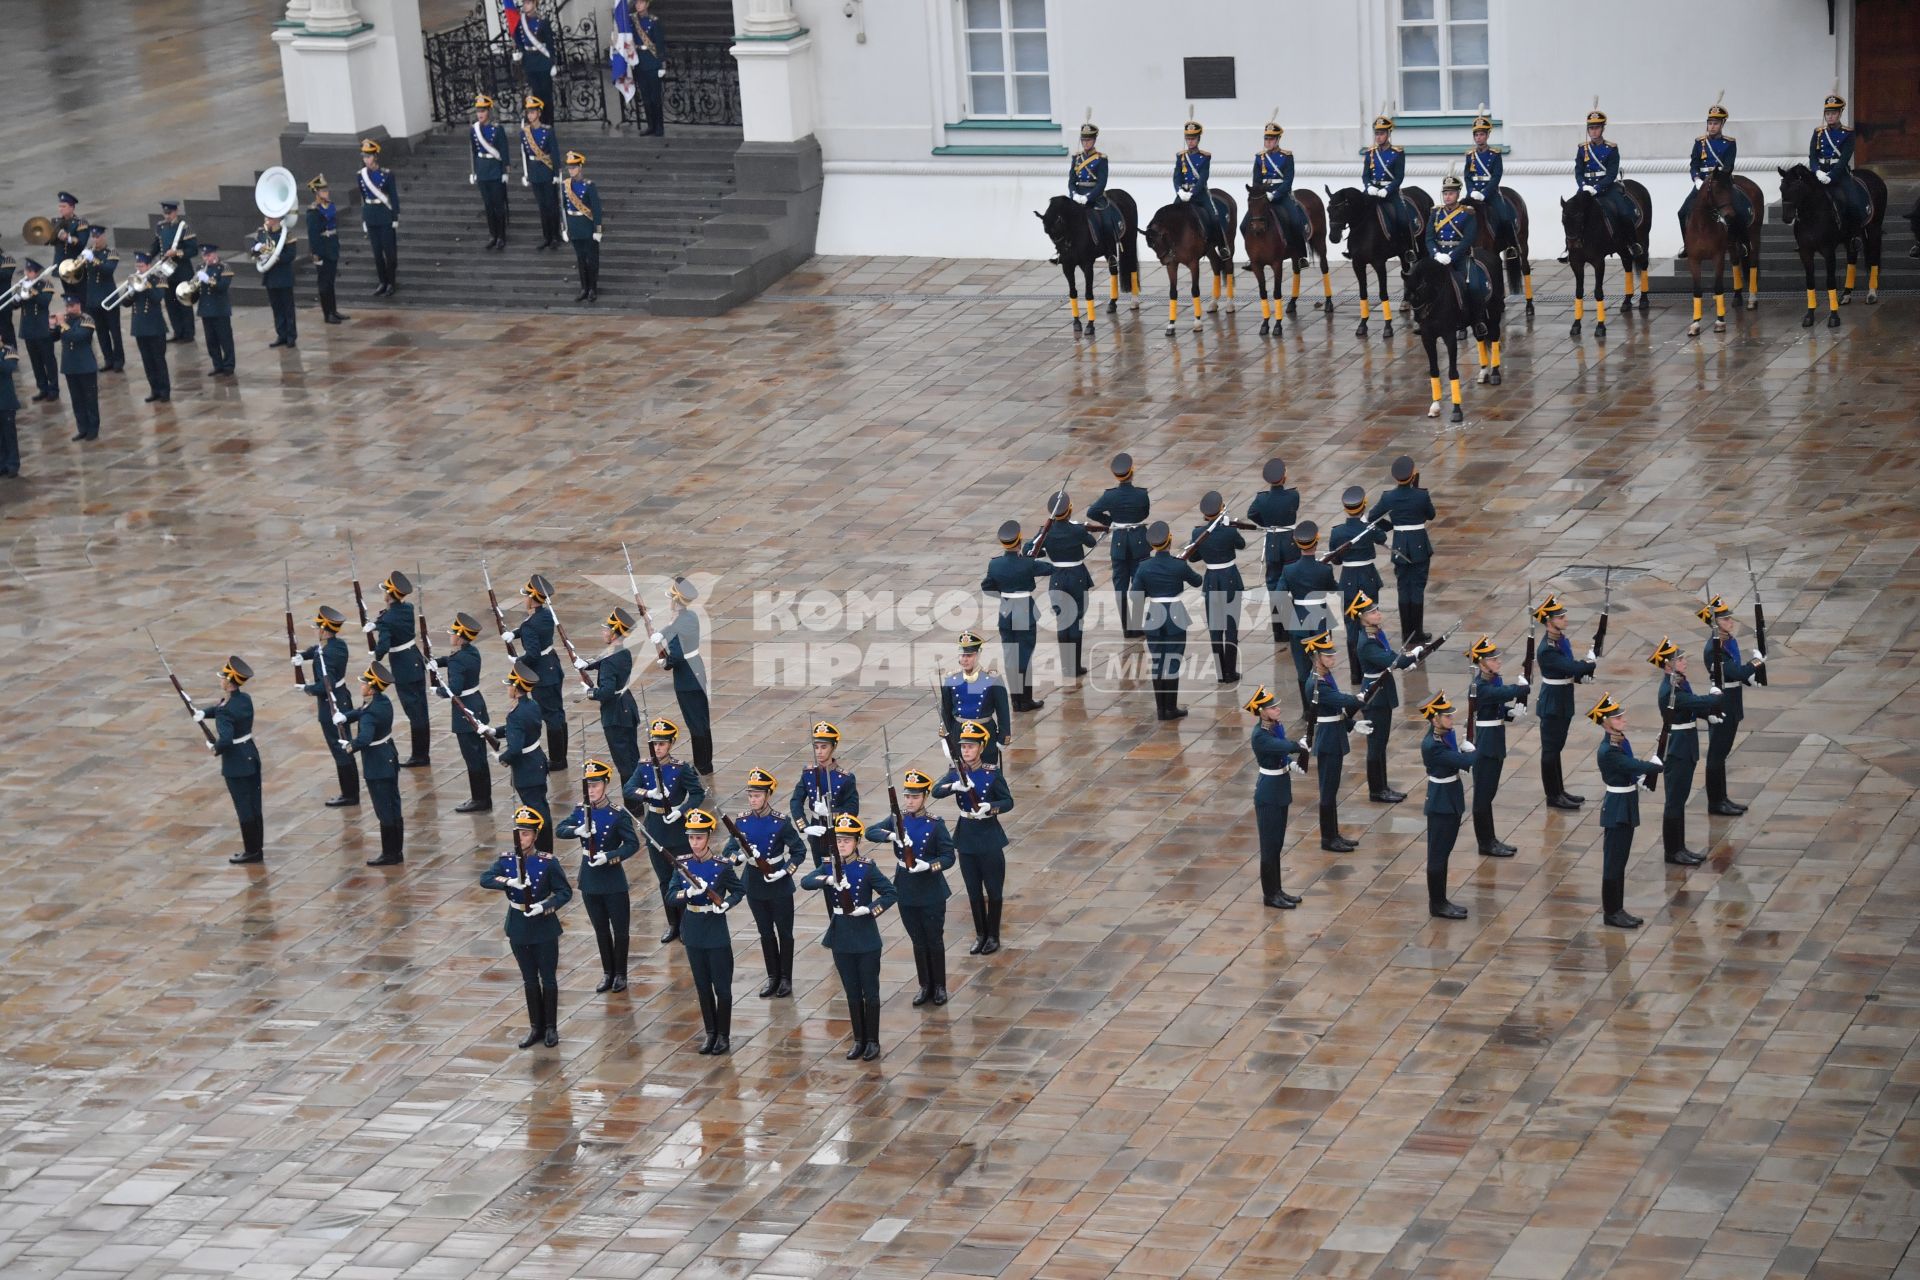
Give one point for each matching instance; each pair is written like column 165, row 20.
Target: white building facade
column 944, row 123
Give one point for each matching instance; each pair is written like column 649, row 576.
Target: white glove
column 198, row 715
column 202, row 276
column 338, row 718
column 1364, row 728
column 823, row 807
column 660, row 663
column 515, row 883
column 1589, row 189
column 1716, row 719
column 536, row 908
column 597, row 860
column 396, row 224
column 1592, row 656
column 655, row 793
column 1183, row 195
column 1521, row 683
column 721, row 908
column 1699, row 183
column 1467, row 748
column 815, row 830
column 433, row 665
column 1420, row 650
column 596, row 237
column 1297, row 767
column 523, row 179
column 861, row 911
column 900, row 841
column 472, row 178
column 212, row 747
column 663, row 73
column 1475, row 195
column 517, row 55
column 1509, row 714
column 579, row 664
column 1079, row 199
column 1445, row 260
column 659, row 641
column 671, row 815
column 86, row 255
column 1759, row 660
column 484, row 729
column 1823, row 177
column 1654, row 758
column 369, row 627
column 1714, row 690
column 1306, row 746
column 343, row 744
column 1749, row 682
column 296, row 659
column 508, row 635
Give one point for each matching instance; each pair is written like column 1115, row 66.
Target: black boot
column 857, row 1015
column 872, row 1050
column 1330, row 838
column 1673, row 837
column 1406, row 623
column 770, row 954
column 673, row 923
column 479, row 794
column 1613, row 898
column 1070, row 657
column 921, row 975
column 786, row 973
column 709, row 1023
column 1377, row 789
column 536, row 1018
column 349, row 786
column 1718, row 804
column 723, row 1018
column 1174, row 710
column 703, row 753
column 392, row 846
column 557, row 750
column 420, row 736
column 937, row 966
column 1438, row 905
column 993, row 929
column 1550, row 782
column 250, row 843
column 979, row 908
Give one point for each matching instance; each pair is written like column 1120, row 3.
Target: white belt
column 544, row 652
column 1273, row 773
column 1277, row 528
column 1163, row 599
column 238, row 741
column 1367, row 675
column 1135, row 525
column 1551, row 681
column 1408, row 528
column 1015, row 595
column 691, row 653
column 335, row 233
column 381, row 743
column 977, row 817
column 1488, row 724
column 1627, row 790
column 1316, row 601
column 1328, row 719
column 1684, row 724
column 1070, row 564
column 398, row 647
column 467, row 693
column 1441, row 782
column 1220, row 568
column 1356, row 564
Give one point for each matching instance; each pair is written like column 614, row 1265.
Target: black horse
column 1806, row 205
column 1592, row 239
column 1175, row 237
column 1349, row 207
column 1441, row 315
column 1067, row 225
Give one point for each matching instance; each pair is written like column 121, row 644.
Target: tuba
column 276, row 195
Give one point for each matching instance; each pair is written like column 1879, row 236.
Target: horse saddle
column 1409, row 218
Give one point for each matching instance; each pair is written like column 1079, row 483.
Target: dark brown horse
column 1348, row 209
column 1592, row 239
column 1520, row 266
column 1817, row 230
column 1174, row 237
column 1709, row 238
column 1440, row 309
column 1077, row 248
column 1271, row 248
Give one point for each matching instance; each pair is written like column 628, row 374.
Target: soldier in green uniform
column 97, row 280
column 1490, row 708
column 607, row 839
column 81, row 369
column 580, row 206
column 1328, row 709
column 9, row 409
column 539, row 172
column 1308, row 585
column 215, row 309
column 148, row 328
column 1559, row 672
column 239, row 758
column 37, row 331
column 536, row 887
column 1217, row 545
column 705, row 888
column 1680, row 712
column 1353, row 545
column 459, row 677
column 1444, row 756
column 323, row 245
column 922, row 882
column 520, row 749
column 278, row 280
column 1730, row 675
column 1620, row 811
column 1380, row 694
column 175, row 243
column 1013, row 577
column 855, row 898
column 1159, row 582
column 373, row 742
column 396, row 642
column 1122, row 510
column 612, row 689
column 1275, row 512
column 972, row 693
column 1274, row 756
column 766, row 862
column 380, row 215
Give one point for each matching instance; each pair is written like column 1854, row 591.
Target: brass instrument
column 37, row 231
column 70, row 269
column 136, row 283
column 277, row 195
column 188, row 292
column 21, row 290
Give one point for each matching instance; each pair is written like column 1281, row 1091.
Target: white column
column 775, row 57
column 297, row 11
column 332, row 17
column 355, row 65
column 766, row 18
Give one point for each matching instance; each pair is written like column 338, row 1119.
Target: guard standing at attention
column 533, row 49
column 536, row 636
column 1559, row 672
column 1444, row 756
column 983, row 795
column 823, row 790
column 1353, row 545
column 489, row 171
column 38, row 332
column 520, row 749
column 1217, row 545
column 1276, row 511
column 1490, row 708
column 1620, row 811
column 650, row 67
column 607, row 839
column 923, row 852
column 1063, row 547
column 612, row 689
column 380, row 216
column 1409, row 507
column 1274, row 756
column 581, row 208
column 97, row 277
column 1731, row 676
column 1680, row 711
column 148, row 328
column 239, row 758
column 332, row 699
column 1159, row 581
column 460, row 678
column 1013, row 577
column 396, row 641
column 1309, row 582
column 278, row 282
column 974, row 694
column 215, row 309
column 1122, row 510
column 536, row 888
column 665, row 790
column 681, row 640
column 772, row 851
column 854, row 898
column 323, row 245
column 1328, row 709
column 373, row 742
column 81, row 369
column 1381, row 693
column 705, row 889
column 539, row 171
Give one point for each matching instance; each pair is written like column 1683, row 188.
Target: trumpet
column 21, row 290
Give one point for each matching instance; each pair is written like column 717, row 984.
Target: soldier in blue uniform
column 855, row 898
column 533, row 42
column 520, row 748
column 1596, row 167
column 705, row 888
column 489, row 172
column 921, row 884
column 607, row 839
column 278, row 281
column 380, row 216
column 1063, row 548
column 174, row 241
column 821, row 791
column 650, row 68
column 1159, row 581
column 536, row 888
column 1381, row 692
column 683, row 662
column 332, row 699
column 1409, row 507
column 1490, row 707
column 459, row 677
column 1273, row 174
column 1444, row 756
column 1013, row 577
column 396, row 642
column 81, row 369
column 1620, row 811
column 1216, row 545
column 1308, row 582
column 38, row 333
column 1714, row 152
column 975, row 694
column 9, row 411
column 70, row 234
column 148, row 328
column 1450, row 235
column 1191, row 167
column 1122, row 510
column 1354, row 546
column 664, row 790
column 539, row 169
column 1328, row 711
column 239, row 758
column 323, row 247
column 983, row 795
column 1730, row 674
column 1830, row 156
column 373, row 742
column 1382, row 171
column 97, row 283
column 215, row 309
column 612, row 689
column 1484, row 168
column 766, row 862
column 1273, row 756
column 536, row 636
column 1275, row 511
column 1559, row 672
column 581, row 201
column 1680, row 712
column 1087, row 185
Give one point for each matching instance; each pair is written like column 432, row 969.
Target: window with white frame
column 1006, row 53
column 1443, row 55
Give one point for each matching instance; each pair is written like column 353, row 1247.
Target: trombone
column 136, row 283
column 21, row 290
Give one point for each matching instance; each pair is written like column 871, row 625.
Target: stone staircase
column 1780, row 271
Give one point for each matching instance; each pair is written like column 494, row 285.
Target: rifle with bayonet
column 420, row 616
column 1526, row 662
column 573, row 655
column 359, row 600
column 747, row 849
column 639, row 606
column 293, row 645
column 1424, row 652
column 1759, row 622
column 1056, row 510
column 1606, row 610
column 901, row 840
column 1225, row 513
column 1368, row 530
column 191, row 709
column 1652, row 780
column 493, row 601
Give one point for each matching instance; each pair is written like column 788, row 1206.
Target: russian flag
column 510, row 11
column 623, row 53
